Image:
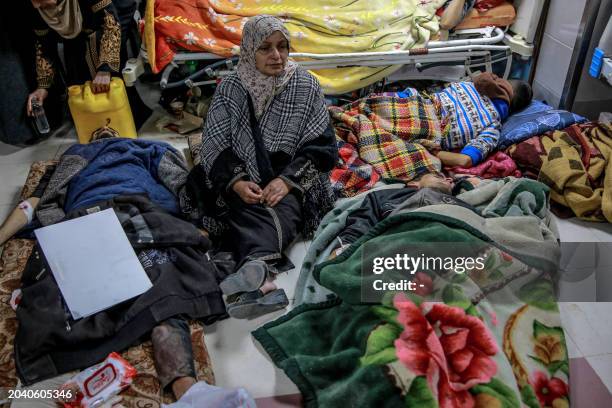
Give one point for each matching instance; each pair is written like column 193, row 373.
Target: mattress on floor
column 145, row 391
column 500, row 16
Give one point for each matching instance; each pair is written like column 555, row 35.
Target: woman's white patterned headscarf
column 261, row 87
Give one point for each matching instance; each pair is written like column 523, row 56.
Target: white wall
column 556, row 50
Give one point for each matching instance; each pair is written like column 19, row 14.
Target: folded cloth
column 489, row 84
column 501, row 16
column 391, row 134
column 578, row 169
column 468, row 5
column 534, row 120
column 496, row 166
column 509, row 197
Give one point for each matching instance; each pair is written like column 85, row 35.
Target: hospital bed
column 474, row 49
column 456, row 58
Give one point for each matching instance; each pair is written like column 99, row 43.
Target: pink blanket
column 497, row 165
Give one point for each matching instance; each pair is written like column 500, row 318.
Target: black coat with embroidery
column 98, row 44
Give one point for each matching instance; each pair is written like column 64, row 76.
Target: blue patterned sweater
column 475, row 120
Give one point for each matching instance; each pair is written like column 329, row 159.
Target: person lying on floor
column 474, row 112
column 267, row 148
column 87, row 175
column 429, row 189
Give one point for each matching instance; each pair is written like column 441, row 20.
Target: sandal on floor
column 254, row 304
column 248, row 278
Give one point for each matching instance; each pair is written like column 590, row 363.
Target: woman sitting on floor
column 267, row 147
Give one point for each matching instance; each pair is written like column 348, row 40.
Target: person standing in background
column 91, row 34
column 126, row 10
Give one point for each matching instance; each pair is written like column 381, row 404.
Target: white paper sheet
column 93, row 262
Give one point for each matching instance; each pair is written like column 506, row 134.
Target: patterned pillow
column 536, row 119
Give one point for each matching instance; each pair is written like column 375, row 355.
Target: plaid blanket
column 390, row 135
column 351, row 175
column 578, row 168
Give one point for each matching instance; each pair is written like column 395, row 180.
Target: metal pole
column 581, row 49
column 538, row 40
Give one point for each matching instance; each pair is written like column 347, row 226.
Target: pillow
column 534, row 120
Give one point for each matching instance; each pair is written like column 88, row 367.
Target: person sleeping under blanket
column 429, row 189
column 129, row 167
column 474, row 112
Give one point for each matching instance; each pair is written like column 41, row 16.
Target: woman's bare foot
column 268, row 286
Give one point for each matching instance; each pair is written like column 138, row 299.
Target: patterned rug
column 145, row 390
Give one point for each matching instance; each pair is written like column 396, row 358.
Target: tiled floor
column 239, row 361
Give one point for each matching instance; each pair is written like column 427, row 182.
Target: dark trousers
column 261, row 232
column 172, row 351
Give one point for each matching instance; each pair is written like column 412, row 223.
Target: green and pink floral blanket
column 489, row 337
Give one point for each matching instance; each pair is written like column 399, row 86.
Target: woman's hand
column 248, row 191
column 275, row 191
column 101, row 82
column 39, row 94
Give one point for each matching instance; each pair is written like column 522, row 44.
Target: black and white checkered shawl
column 296, row 116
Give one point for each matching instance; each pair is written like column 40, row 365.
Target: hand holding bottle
column 40, row 94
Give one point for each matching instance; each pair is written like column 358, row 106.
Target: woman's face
column 271, row 56
column 43, row 4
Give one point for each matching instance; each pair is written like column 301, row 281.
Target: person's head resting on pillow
column 522, row 95
column 515, row 94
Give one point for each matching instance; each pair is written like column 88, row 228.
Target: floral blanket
column 319, row 26
column 145, row 391
column 489, row 337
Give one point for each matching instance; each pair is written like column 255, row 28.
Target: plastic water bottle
column 40, row 119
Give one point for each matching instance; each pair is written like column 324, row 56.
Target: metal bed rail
column 460, row 50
